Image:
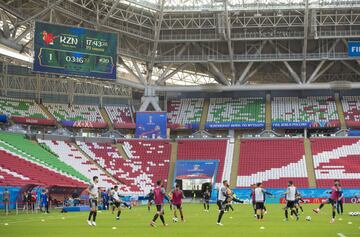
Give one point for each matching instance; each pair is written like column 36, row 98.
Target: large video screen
column 74, row 51
column 194, row 173
column 151, row 124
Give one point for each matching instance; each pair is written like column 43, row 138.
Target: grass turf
column 135, row 223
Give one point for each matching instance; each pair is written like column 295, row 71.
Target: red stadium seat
column 273, row 162
column 336, row 158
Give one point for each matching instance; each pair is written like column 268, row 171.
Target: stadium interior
column 267, row 90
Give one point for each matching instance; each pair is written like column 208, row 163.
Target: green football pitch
column 135, row 223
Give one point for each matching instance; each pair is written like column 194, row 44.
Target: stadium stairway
column 340, row 111
column 105, row 115
column 309, row 163
column 173, row 158
column 49, row 115
column 268, row 125
column 204, row 114
column 235, row 162
column 121, row 151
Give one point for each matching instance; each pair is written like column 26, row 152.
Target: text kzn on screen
column 74, row 51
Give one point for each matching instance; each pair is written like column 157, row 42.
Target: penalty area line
column 341, row 235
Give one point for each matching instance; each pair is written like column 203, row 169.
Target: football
column 308, row 218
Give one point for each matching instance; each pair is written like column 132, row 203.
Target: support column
column 5, row 78
column 268, row 112
column 340, row 111
column 149, row 98
column 38, row 88
column 71, row 85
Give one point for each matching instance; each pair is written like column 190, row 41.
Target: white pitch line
column 341, row 235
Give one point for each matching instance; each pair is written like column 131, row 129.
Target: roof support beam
column 218, row 75
column 111, row 11
column 317, row 69
column 6, row 28
column 322, row 71
column 306, row 31
column 294, row 75
column 351, row 67
column 22, row 35
column 163, row 76
column 249, row 65
column 252, row 73
column 244, row 73
column 142, row 79
column 121, row 61
column 45, row 10
column 157, row 28
column 228, row 37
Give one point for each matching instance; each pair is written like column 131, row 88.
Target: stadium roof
column 198, row 42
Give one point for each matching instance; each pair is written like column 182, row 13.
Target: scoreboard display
column 74, row 51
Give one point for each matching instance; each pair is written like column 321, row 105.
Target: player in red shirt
column 335, row 195
column 159, row 196
column 177, row 196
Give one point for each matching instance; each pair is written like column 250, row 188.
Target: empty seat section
column 236, row 110
column 336, row 158
column 72, row 156
column 184, row 112
column 313, row 109
column 273, row 162
column 30, row 150
column 88, row 113
column 351, row 107
column 21, row 107
column 121, row 116
column 17, row 171
column 148, row 162
column 204, row 150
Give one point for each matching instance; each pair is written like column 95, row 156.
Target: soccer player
column 298, row 199
column 335, row 194
column 6, row 200
column 116, row 201
column 252, row 196
column 230, row 198
column 206, row 199
column 177, row 196
column 150, row 198
column 260, row 194
column 339, row 204
column 169, row 198
column 25, row 201
column 159, row 195
column 44, row 198
column 93, row 191
column 105, row 199
column 221, row 202
column 111, row 201
column 290, row 196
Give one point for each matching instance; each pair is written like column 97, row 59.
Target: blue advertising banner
column 227, row 125
column 354, row 48
column 318, row 124
column 196, row 169
column 150, row 125
column 311, row 193
column 353, row 133
column 3, row 118
column 291, row 124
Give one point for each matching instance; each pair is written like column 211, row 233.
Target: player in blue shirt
column 44, row 198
